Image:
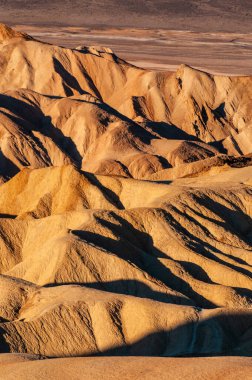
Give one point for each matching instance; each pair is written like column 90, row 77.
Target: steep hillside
column 125, row 207
column 89, row 108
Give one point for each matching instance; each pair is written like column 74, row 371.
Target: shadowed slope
column 80, row 321
column 125, row 206
column 161, row 241
column 159, row 120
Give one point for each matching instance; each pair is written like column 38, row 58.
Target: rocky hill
column 125, row 206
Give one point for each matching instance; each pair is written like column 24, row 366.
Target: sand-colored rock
column 74, row 321
column 89, row 107
column 125, row 213
column 6, row 33
column 155, row 240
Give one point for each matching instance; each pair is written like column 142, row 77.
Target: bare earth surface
column 23, row 368
column 196, row 15
column 159, row 49
column 125, row 217
column 213, row 35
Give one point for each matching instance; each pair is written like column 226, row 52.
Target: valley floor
column 159, row 49
column 130, row 368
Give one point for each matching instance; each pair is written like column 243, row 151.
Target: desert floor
column 159, row 49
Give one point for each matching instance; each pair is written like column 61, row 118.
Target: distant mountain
column 221, row 15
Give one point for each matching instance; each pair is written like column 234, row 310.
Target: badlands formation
column 125, row 217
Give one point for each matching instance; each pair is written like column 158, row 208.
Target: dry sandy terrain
column 159, row 49
column 23, row 368
column 125, row 216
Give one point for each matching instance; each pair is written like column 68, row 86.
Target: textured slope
column 109, row 117
column 165, row 246
column 125, row 207
column 81, row 321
